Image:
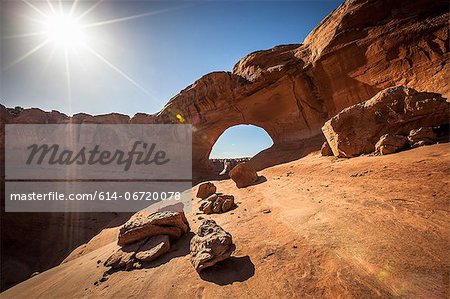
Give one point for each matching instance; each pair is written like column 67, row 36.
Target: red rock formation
column 363, row 46
column 396, row 110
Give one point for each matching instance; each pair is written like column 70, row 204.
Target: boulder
column 211, row 245
column 396, row 110
column 390, row 143
column 153, row 248
column 142, row 225
column 205, row 190
column 243, row 175
column 326, row 150
column 217, row 203
column 422, row 136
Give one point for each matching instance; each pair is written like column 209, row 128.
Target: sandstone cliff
column 363, row 46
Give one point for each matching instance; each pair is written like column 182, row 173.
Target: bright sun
column 64, row 31
column 61, row 27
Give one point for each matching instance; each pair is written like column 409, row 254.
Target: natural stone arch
column 285, row 109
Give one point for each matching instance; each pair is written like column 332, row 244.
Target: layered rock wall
column 362, row 47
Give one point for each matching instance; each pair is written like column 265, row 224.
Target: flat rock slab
column 142, row 226
column 153, row 248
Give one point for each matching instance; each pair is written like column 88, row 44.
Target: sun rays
column 61, row 28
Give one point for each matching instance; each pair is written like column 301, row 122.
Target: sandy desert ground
column 371, row 226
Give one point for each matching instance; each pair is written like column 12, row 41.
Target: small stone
column 103, row 279
column 228, row 203
column 205, row 190
column 217, row 203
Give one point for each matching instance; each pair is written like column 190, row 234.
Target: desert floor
column 318, row 227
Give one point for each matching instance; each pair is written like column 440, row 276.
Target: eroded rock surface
column 422, row 136
column 141, row 226
column 211, row 245
column 243, row 175
column 395, row 110
column 362, row 47
column 390, row 143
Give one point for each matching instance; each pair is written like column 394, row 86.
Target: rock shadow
column 179, row 248
column 261, row 179
column 234, row 269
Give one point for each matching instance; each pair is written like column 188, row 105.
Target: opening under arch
column 238, row 143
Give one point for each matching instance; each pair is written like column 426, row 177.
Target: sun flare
column 64, row 31
column 61, row 26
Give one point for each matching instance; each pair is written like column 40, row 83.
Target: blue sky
column 136, row 65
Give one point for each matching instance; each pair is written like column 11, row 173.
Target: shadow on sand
column 178, row 249
column 261, row 179
column 234, row 269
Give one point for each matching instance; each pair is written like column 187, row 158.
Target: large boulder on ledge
column 396, row 110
